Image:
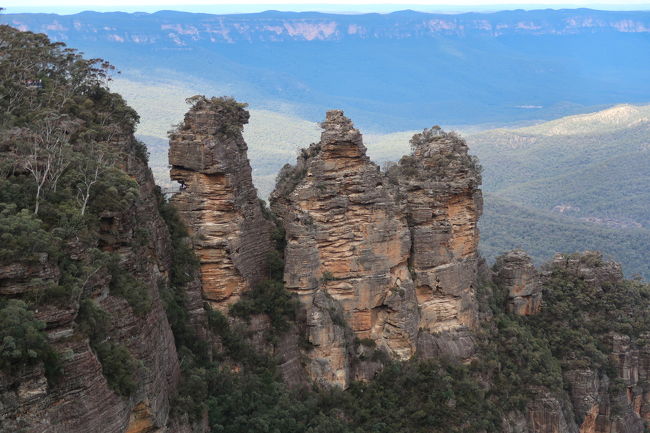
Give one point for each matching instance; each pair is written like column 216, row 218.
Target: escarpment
column 397, row 252
column 97, row 314
column 110, row 323
column 217, row 200
column 595, row 324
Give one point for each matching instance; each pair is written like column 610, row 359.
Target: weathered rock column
column 515, row 272
column 218, row 201
column 438, row 186
column 347, row 251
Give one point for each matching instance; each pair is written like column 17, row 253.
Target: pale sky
column 228, row 6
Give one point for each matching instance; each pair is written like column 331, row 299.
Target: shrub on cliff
column 66, row 145
column 119, row 367
column 22, row 340
column 22, row 235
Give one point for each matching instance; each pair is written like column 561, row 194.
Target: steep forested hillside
column 84, row 340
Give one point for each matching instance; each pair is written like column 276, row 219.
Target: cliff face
column 438, row 187
column 602, row 393
column 616, row 400
column 184, row 29
column 218, row 201
column 515, row 272
column 347, row 245
column 81, row 400
column 397, row 256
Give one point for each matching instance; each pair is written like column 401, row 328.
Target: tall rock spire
column 438, row 185
column 391, row 257
column 347, row 251
column 218, row 201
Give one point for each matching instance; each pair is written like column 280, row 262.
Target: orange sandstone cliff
column 218, row 201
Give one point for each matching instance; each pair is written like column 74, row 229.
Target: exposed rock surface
column 357, row 239
column 606, row 404
column 82, row 401
column 438, row 188
column 218, row 201
column 347, row 246
column 515, row 272
column 597, row 402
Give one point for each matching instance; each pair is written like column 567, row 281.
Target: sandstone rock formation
column 218, row 201
column 596, row 400
column 347, row 245
column 81, row 401
column 357, row 239
column 438, row 188
column 515, row 272
column 602, row 403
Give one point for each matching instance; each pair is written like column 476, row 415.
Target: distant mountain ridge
column 391, row 72
column 182, row 29
column 614, row 118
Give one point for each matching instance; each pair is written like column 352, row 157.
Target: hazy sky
column 228, row 6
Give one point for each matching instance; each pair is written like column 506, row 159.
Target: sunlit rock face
column 387, row 257
column 218, row 201
column 438, row 186
column 347, row 246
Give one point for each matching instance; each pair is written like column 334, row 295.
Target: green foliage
column 141, row 151
column 128, row 287
column 65, row 147
column 516, row 360
column 268, row 297
column 579, row 318
column 233, row 115
column 184, row 268
column 92, row 321
column 185, row 264
column 22, row 235
column 119, row 367
column 413, row 397
column 23, row 342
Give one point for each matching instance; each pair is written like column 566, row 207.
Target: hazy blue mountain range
column 390, row 72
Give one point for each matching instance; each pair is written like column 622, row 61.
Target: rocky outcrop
column 515, row 272
column 218, row 201
column 397, row 254
column 347, row 251
column 81, row 400
column 590, row 266
column 438, row 189
column 604, row 404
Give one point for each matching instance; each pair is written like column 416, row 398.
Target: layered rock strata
column 438, row 187
column 217, row 200
column 347, row 251
column 381, row 257
column 596, row 400
column 81, row 400
column 515, row 272
column 620, row 401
